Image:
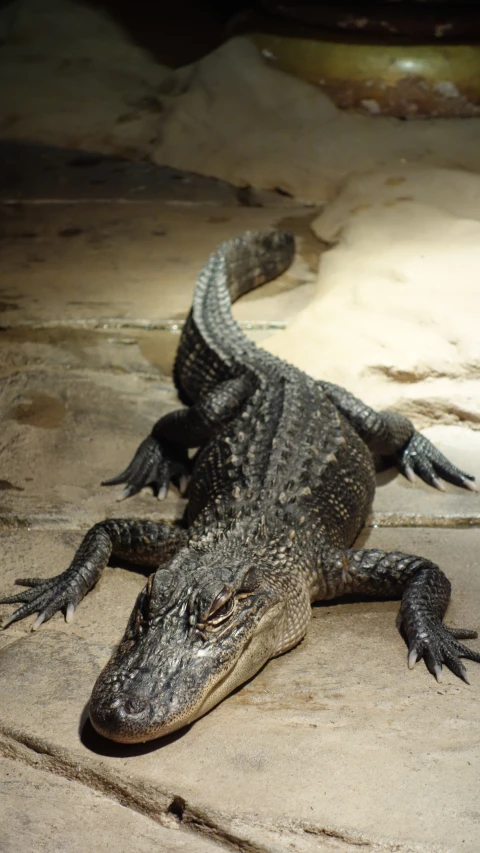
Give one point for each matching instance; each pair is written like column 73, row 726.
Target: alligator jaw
column 170, row 677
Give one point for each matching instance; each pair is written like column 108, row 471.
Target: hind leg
column 162, row 457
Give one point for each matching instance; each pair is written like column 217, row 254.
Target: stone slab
column 46, row 813
column 335, row 738
column 64, row 431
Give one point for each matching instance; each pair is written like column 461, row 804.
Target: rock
column 395, row 315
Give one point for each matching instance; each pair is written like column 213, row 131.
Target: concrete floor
column 333, row 747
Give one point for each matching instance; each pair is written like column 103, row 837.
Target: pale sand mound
column 250, row 124
column 70, row 76
column 397, row 308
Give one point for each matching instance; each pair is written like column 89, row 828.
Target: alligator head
column 198, row 630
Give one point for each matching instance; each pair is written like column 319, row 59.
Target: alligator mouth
column 132, row 718
column 129, row 717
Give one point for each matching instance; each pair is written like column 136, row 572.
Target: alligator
column 280, row 485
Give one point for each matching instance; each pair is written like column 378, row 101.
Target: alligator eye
column 222, row 607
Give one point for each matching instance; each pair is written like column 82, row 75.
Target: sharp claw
column 461, row 671
column 469, row 484
column 408, row 471
column 162, row 493
column 70, row 614
column 8, row 621
column 438, row 484
column 437, row 671
column 124, row 494
column 412, row 658
column 38, row 621
column 183, row 484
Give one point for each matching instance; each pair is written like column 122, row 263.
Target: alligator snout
column 124, row 719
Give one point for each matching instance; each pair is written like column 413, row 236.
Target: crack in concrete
column 400, row 519
column 114, row 323
column 172, row 810
column 372, row 846
column 45, row 521
column 330, row 833
column 132, row 793
column 201, row 823
column 83, row 373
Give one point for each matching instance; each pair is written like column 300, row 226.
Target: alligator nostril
column 135, row 704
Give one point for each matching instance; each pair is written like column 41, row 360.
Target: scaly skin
column 281, row 486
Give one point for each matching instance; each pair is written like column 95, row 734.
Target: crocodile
column 280, row 479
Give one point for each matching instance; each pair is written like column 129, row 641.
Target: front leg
column 424, row 591
column 162, row 457
column 137, row 541
column 392, row 434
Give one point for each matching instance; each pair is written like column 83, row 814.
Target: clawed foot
column 439, row 645
column 45, row 596
column 154, row 465
column 421, row 457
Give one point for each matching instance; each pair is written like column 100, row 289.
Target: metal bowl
column 406, row 81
